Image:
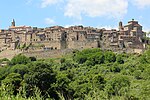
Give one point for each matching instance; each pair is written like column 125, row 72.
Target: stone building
column 126, row 38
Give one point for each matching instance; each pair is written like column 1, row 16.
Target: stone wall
column 48, row 44
column 82, row 44
column 48, row 53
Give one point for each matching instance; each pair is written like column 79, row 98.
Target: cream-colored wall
column 140, row 51
column 82, row 44
column 49, row 44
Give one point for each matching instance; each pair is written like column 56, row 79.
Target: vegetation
column 91, row 74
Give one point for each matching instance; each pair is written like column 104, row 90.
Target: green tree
column 119, row 59
column 62, row 60
column 146, row 73
column 115, row 68
column 80, row 59
column 62, row 86
column 145, row 58
column 20, row 59
column 32, row 58
column 118, row 86
column 20, row 69
column 11, row 83
column 97, row 58
column 137, row 74
column 145, row 91
column 98, row 81
column 42, row 76
column 109, row 57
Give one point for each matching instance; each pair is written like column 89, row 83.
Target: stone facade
column 128, row 37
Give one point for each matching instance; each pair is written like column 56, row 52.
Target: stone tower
column 13, row 23
column 120, row 26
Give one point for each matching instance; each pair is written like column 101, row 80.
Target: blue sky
column 95, row 13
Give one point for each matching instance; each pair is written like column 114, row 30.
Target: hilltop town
column 128, row 38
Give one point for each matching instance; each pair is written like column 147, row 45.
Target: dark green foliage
column 4, row 59
column 110, row 57
column 32, row 58
column 119, row 59
column 42, row 76
column 13, row 78
column 4, row 71
column 115, row 68
column 145, row 91
column 118, row 85
column 62, row 60
column 80, row 59
column 137, row 74
column 99, row 81
column 12, row 83
column 90, row 74
column 145, row 58
column 89, row 51
column 146, row 73
column 97, row 58
column 81, row 86
column 20, row 59
column 90, row 56
column 20, row 69
column 62, row 85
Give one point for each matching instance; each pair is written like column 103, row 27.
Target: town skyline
column 128, row 38
column 99, row 13
column 107, row 28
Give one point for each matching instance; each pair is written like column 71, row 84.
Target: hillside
column 90, row 74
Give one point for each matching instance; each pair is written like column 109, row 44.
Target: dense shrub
column 90, row 74
column 20, row 59
column 110, row 57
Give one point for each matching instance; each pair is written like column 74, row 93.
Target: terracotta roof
column 137, row 25
column 13, row 27
column 109, row 31
column 133, row 25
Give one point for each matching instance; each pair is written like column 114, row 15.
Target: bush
column 12, row 83
column 32, row 58
column 119, row 59
column 4, row 59
column 97, row 58
column 110, row 57
column 118, row 85
column 145, row 58
column 80, row 59
column 42, row 76
column 20, row 69
column 62, row 60
column 20, row 59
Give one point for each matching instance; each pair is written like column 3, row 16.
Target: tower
column 13, row 23
column 120, row 26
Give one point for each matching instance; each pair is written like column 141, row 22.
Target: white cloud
column 141, row 3
column 146, row 29
column 49, row 21
column 96, row 8
column 67, row 26
column 46, row 3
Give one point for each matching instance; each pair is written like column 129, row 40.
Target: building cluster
column 126, row 38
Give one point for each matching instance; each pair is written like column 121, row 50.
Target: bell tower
column 120, row 26
column 13, row 23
